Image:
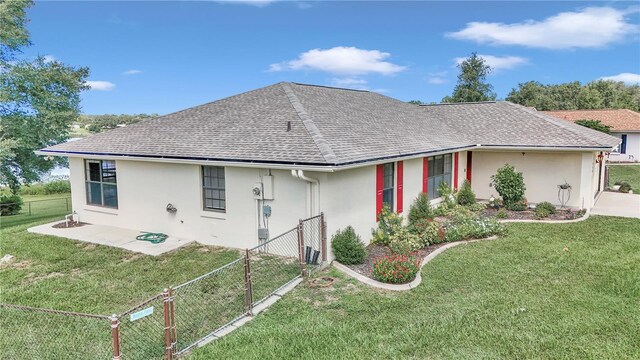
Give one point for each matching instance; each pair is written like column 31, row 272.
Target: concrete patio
column 617, row 204
column 111, row 236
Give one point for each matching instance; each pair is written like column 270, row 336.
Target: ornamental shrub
column 396, row 269
column 389, row 223
column 348, row 247
column 520, row 205
column 466, row 196
column 446, row 193
column 624, row 187
column 10, row 204
column 426, row 230
column 475, row 227
column 420, row 209
column 509, row 184
column 502, row 214
column 544, row 209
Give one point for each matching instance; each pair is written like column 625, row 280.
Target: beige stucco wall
column 543, row 172
column 145, row 188
column 632, row 153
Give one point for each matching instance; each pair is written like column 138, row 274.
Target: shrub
column 58, row 187
column 445, row 192
column 420, row 209
column 426, row 230
column 348, row 247
column 472, row 228
column 544, row 209
column 466, row 196
column 509, row 184
column 404, row 239
column 477, row 207
column 389, row 223
column 520, row 205
column 396, row 269
column 502, row 214
column 10, row 204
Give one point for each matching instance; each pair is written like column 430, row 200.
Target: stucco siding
column 632, row 153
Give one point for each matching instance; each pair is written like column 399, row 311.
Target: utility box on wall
column 267, row 187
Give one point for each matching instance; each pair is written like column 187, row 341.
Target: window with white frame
column 101, row 183
column 213, row 188
column 439, row 171
column 388, row 184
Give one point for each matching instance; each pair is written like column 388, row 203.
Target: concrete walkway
column 111, row 236
column 617, row 204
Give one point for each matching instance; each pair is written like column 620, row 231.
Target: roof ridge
column 330, row 87
column 550, row 119
column 322, row 144
column 462, row 103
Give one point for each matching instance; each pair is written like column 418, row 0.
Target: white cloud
column 341, row 60
column 348, row 82
column 627, row 78
column 49, row 58
column 258, row 3
column 132, row 72
column 101, row 85
column 498, row 62
column 438, row 78
column 591, row 27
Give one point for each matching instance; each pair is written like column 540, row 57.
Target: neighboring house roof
column 618, row 119
column 330, row 126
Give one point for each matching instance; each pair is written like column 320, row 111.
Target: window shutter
column 623, row 146
column 425, row 174
column 455, row 171
column 399, row 187
column 379, row 187
column 469, row 165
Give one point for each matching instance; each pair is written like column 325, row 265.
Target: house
column 624, row 123
column 222, row 172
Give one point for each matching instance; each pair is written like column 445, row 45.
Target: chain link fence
column 33, row 333
column 170, row 324
column 35, row 210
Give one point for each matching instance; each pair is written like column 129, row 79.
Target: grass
column 63, row 274
column 519, row 297
column 42, row 207
column 628, row 173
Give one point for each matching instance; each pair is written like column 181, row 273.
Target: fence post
column 29, row 208
column 115, row 335
column 167, row 324
column 303, row 269
column 323, row 237
column 174, row 341
column 66, row 202
column 248, row 285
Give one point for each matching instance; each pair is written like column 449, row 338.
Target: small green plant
column 520, row 205
column 502, row 214
column 396, row 268
column 420, row 209
column 404, row 239
column 510, row 185
column 426, row 230
column 465, row 195
column 389, row 223
column 10, row 204
column 445, row 192
column 545, row 209
column 348, row 247
column 624, row 187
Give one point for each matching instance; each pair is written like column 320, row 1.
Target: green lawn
column 521, row 296
column 628, row 173
column 37, row 208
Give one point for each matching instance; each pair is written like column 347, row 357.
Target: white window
column 101, row 183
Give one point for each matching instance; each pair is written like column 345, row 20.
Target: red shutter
column 469, row 165
column 379, row 186
column 455, row 171
column 425, row 175
column 399, row 187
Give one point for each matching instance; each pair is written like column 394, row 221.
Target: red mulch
column 72, row 224
column 376, row 251
column 561, row 214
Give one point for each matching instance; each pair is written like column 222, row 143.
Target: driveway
column 617, row 204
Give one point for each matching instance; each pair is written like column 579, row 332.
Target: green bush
column 502, row 214
column 10, row 204
column 348, row 247
column 474, row 227
column 396, row 269
column 521, row 205
column 420, row 209
column 54, row 187
column 389, row 223
column 465, row 195
column 426, row 230
column 624, row 187
column 477, row 207
column 445, row 192
column 546, row 206
column 510, row 185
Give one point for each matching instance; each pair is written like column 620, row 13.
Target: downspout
column 313, row 193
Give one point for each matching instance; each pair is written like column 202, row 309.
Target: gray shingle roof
column 330, row 126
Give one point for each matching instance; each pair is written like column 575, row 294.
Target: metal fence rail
column 37, row 209
column 169, row 324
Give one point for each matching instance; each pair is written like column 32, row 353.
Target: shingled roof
column 290, row 123
column 618, row 119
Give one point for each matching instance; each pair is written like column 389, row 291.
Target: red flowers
column 396, row 268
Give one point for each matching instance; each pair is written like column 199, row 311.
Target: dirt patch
column 70, row 224
column 32, row 279
column 20, row 264
column 89, row 247
column 376, row 251
column 132, row 257
column 561, row 214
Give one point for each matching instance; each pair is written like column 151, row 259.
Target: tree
column 416, row 102
column 38, row 101
column 595, row 125
column 472, row 85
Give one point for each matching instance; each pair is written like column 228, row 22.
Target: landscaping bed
column 560, row 214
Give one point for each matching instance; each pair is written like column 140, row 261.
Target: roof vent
column 288, row 126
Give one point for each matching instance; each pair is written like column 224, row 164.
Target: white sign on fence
column 140, row 314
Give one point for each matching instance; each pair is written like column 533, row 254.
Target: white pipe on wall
column 313, row 197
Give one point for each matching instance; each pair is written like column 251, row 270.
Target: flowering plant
column 396, row 268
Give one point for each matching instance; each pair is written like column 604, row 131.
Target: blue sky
column 160, row 57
